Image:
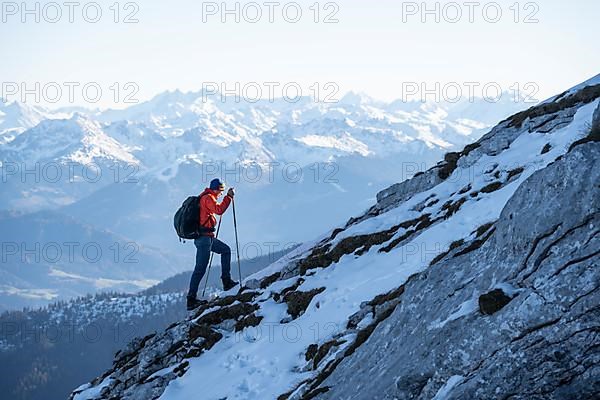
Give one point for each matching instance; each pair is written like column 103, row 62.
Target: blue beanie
column 216, row 184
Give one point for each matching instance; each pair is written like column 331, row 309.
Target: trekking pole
column 237, row 246
column 211, row 256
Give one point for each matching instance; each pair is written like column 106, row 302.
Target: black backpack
column 186, row 221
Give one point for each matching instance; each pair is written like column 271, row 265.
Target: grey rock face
column 402, row 191
column 543, row 343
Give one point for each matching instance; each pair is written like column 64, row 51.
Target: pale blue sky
column 370, row 49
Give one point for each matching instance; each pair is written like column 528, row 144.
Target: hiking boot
column 193, row 303
column 229, row 284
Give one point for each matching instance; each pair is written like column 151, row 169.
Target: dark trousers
column 204, row 245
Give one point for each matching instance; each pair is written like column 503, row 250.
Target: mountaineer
column 207, row 242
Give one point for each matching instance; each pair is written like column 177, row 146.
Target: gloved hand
column 231, row 193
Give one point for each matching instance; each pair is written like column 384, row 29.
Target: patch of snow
column 92, row 392
column 444, row 391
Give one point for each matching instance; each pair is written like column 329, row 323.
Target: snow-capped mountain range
column 175, row 127
column 477, row 278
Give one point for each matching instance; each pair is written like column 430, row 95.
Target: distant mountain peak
column 355, row 98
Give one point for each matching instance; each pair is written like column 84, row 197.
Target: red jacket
column 209, row 207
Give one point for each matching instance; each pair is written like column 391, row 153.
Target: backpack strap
column 201, row 227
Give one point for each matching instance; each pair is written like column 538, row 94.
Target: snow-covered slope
column 517, row 211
